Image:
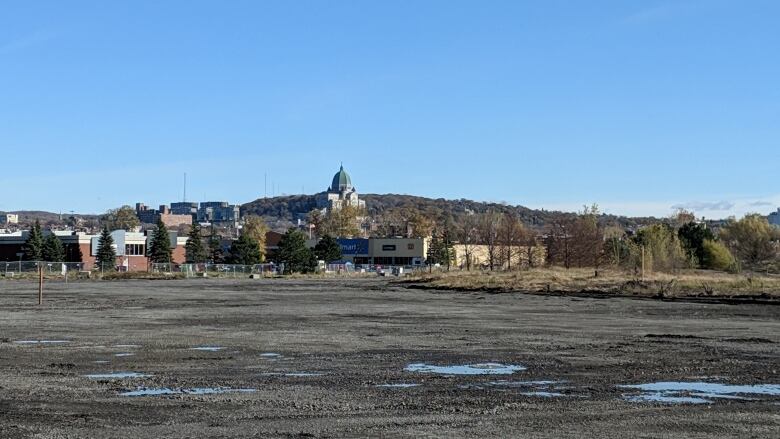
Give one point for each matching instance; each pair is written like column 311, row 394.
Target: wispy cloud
column 705, row 205
column 26, row 41
column 761, row 203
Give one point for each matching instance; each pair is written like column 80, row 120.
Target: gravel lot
column 327, row 358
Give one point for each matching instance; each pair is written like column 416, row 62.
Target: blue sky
column 636, row 105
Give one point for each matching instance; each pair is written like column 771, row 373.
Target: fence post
column 40, row 284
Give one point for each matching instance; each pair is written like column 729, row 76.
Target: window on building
column 388, row 248
column 410, row 246
column 135, row 249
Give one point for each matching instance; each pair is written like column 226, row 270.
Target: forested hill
column 283, row 211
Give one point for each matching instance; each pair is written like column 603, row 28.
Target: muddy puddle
column 293, row 374
column 33, row 342
column 466, row 369
column 270, row 355
column 147, row 391
column 116, row 375
column 207, row 348
column 397, row 385
column 679, row 392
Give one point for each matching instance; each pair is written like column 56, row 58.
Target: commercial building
column 382, row 251
column 774, row 218
column 220, row 213
column 185, row 208
column 150, row 216
column 130, row 248
column 9, row 218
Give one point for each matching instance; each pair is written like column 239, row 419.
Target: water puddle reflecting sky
column 116, row 375
column 466, row 369
column 679, row 392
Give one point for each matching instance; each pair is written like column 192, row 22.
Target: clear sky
column 638, row 105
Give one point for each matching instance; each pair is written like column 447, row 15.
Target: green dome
column 341, row 181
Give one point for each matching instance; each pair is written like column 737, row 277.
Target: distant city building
column 9, row 218
column 340, row 193
column 219, row 213
column 164, row 213
column 774, row 217
column 185, row 208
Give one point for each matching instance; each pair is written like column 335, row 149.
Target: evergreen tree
column 327, row 249
column 692, row 237
column 33, row 247
column 73, row 253
column 216, row 255
column 440, row 249
column 53, row 250
column 160, row 248
column 293, row 253
column 245, row 251
column 194, row 250
column 106, row 255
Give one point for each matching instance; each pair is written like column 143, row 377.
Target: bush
column 716, row 256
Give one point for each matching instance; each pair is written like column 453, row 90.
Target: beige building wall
column 479, row 256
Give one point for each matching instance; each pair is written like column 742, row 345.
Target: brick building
column 81, row 247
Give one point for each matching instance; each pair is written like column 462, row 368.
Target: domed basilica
column 340, row 193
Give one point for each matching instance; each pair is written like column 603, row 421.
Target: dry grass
column 559, row 280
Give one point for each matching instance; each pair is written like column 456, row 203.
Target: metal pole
column 643, row 263
column 40, row 285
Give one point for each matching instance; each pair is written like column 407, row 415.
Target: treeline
column 682, row 242
column 48, row 248
column 386, row 209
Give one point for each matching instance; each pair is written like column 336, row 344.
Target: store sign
column 353, row 246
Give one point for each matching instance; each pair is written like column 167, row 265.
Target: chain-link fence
column 10, row 269
column 223, row 270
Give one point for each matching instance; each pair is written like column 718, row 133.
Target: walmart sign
column 353, row 246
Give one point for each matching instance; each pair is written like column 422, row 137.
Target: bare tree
column 489, row 226
column 468, row 235
column 511, row 232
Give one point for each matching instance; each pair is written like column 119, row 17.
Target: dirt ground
column 312, row 355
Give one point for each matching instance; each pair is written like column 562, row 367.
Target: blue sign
column 353, row 246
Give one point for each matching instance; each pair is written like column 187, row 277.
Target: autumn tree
column 256, row 228
column 751, row 239
column 343, row 222
column 716, row 256
column 123, row 218
column 662, row 249
column 587, row 238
